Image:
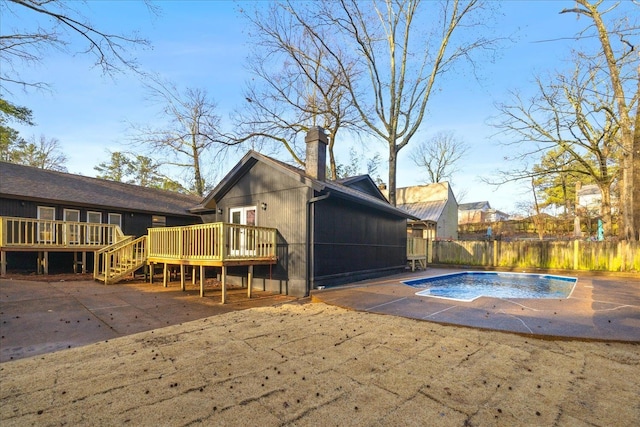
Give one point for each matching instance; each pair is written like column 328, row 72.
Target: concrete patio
column 601, row 307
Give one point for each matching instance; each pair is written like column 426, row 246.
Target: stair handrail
column 108, row 255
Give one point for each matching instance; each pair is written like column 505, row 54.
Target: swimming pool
column 469, row 285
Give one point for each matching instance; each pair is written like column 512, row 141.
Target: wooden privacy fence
column 566, row 255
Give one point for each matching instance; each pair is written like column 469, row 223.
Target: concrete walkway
column 600, row 307
column 42, row 317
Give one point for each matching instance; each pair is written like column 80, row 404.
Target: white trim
column 119, row 223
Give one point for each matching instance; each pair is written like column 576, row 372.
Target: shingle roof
column 29, row 183
column 333, row 187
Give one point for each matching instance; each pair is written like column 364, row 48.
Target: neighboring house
column 432, row 204
column 478, row 212
column 29, row 192
column 329, row 232
column 589, row 198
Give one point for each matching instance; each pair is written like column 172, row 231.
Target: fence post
column 576, row 248
column 495, row 253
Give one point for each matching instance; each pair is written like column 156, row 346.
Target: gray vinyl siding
column 286, row 201
column 351, row 242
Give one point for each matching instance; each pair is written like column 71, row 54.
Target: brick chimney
column 316, row 161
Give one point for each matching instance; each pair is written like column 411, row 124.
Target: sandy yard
column 311, row 364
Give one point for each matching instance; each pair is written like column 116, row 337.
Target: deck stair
column 116, row 261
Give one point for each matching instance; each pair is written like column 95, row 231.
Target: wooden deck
column 214, row 244
column 203, row 245
column 44, row 236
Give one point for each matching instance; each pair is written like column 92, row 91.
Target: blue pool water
column 470, row 285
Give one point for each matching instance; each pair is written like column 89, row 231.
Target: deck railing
column 119, row 259
column 416, row 247
column 46, row 234
column 214, row 242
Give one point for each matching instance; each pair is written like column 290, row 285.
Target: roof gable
column 26, row 182
column 363, row 183
column 336, row 189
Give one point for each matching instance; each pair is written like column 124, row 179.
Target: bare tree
column 189, row 136
column 296, row 86
column 619, row 53
column 573, row 115
column 43, row 153
column 401, row 54
column 439, row 156
column 56, row 24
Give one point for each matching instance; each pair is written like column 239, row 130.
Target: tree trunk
column 635, row 161
column 393, row 160
column 628, row 230
column 605, row 209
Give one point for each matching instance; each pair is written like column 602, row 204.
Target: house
column 589, row 198
column 267, row 225
column 28, row 192
column 434, row 205
column 478, row 212
column 328, row 232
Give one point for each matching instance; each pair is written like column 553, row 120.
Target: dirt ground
column 311, row 364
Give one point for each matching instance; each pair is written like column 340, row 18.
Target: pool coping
column 601, row 307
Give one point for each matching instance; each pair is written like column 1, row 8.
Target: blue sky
column 204, row 44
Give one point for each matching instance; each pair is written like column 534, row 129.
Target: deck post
column 84, row 262
column 249, row 280
column 224, row 284
column 151, row 271
column 75, row 262
column 193, row 275
column 43, row 262
column 3, row 263
column 164, row 275
column 182, row 286
column 202, row 280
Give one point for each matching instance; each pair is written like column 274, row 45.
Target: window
column 71, row 231
column 159, row 221
column 94, row 231
column 115, row 219
column 46, row 229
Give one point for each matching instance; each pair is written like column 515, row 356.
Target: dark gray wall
column 351, row 242
column 286, row 211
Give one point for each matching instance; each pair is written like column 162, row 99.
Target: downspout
column 311, row 239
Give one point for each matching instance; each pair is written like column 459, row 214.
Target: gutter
column 311, row 238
